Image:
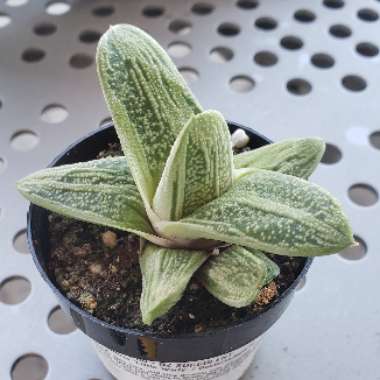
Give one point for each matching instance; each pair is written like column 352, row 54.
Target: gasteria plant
column 198, row 209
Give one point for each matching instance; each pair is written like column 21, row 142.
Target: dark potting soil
column 97, row 268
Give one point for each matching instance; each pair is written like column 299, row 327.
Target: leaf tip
column 317, row 146
column 147, row 318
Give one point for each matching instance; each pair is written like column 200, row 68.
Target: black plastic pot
column 182, row 348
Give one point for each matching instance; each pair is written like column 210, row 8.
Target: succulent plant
column 198, row 209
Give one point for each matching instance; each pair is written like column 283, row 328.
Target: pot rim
column 134, row 331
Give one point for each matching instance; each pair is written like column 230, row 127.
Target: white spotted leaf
column 273, row 212
column 166, row 273
column 199, row 168
column 100, row 191
column 297, row 157
column 236, row 276
column 149, row 101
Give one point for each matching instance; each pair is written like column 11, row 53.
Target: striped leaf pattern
column 148, row 99
column 273, row 212
column 100, row 191
column 166, row 273
column 237, row 275
column 199, row 168
column 296, row 157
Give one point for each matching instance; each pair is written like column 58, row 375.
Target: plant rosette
column 200, row 213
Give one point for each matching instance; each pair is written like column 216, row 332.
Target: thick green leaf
column 236, row 275
column 199, row 168
column 297, row 157
column 272, row 212
column 148, row 98
column 166, row 273
column 100, row 192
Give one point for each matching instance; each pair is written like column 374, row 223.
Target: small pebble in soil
column 82, row 251
column 109, row 239
column 113, row 268
column 88, row 301
column 95, row 268
column 267, row 294
column 194, row 286
column 239, row 139
column 199, row 327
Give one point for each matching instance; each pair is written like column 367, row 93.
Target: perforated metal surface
column 49, row 96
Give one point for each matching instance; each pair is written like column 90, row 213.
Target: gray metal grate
column 286, row 68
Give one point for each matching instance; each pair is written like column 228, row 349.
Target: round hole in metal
column 59, row 322
column 153, row 11
column 322, row 60
column 299, row 86
column 266, row 23
column 20, row 242
column 181, row 27
column 333, row 4
column 357, row 252
column 340, row 31
column 29, row 367
column 179, row 49
column 374, row 139
column 367, row 14
column 54, row 114
column 354, row 83
column 32, row 55
column 4, row 20
column 105, row 121
column 45, row 29
column 89, row 36
column 103, row 11
column 14, row 290
column 15, row 3
column 291, row 42
column 221, row 54
column 81, row 61
column 304, row 15
column 367, row 49
column 247, row 4
column 265, row 58
column 242, row 83
column 332, row 154
column 190, row 74
column 57, row 8
column 363, row 194
column 24, row 140
column 2, row 165
column 202, row 9
column 228, row 29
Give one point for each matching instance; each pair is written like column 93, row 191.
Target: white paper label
column 230, row 366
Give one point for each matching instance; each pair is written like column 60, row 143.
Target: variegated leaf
column 148, row 98
column 100, row 192
column 272, row 212
column 236, row 275
column 166, row 273
column 297, row 157
column 199, row 168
